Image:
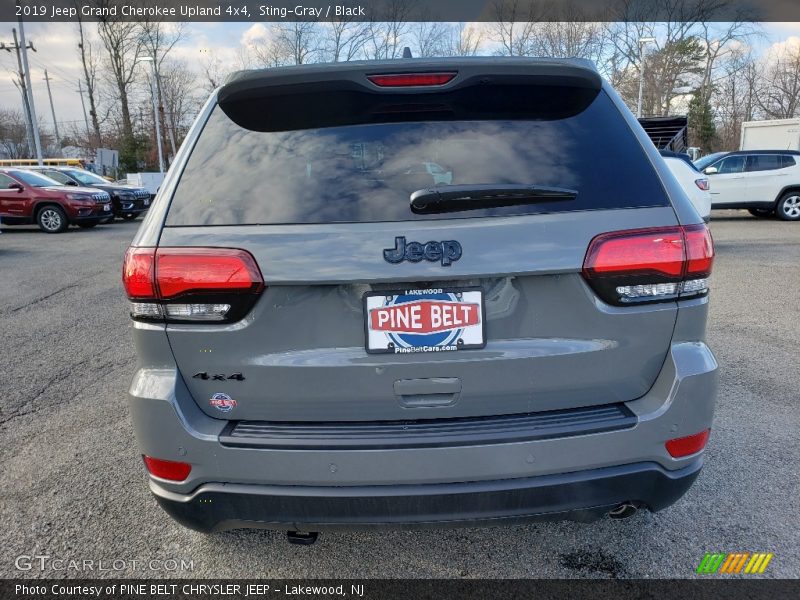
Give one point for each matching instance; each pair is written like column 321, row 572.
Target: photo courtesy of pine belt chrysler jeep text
column 419, row 292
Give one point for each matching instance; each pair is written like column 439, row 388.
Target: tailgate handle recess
column 427, row 393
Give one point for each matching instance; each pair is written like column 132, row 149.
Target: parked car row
column 56, row 197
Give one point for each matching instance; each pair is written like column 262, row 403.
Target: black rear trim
column 427, row 433
column 579, row 496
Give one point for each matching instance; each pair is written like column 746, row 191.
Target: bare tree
column 212, row 70
column 124, row 45
column 718, row 42
column 780, row 92
column 90, row 61
column 562, row 31
column 180, row 102
column 734, row 97
column 159, row 39
column 569, row 39
column 387, row 37
column 677, row 55
column 300, row 41
column 429, row 38
column 514, row 25
column 344, row 39
column 463, row 40
column 13, row 134
column 269, row 52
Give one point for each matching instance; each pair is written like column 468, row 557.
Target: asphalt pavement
column 74, row 489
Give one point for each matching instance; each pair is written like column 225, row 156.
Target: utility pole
column 83, row 106
column 156, row 117
column 28, row 132
column 21, row 85
column 52, row 110
column 34, row 124
column 642, row 42
column 168, row 126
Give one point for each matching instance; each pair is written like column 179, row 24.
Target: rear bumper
column 582, row 496
column 576, row 476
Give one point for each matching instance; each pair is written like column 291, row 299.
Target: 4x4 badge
column 447, row 252
column 217, row 376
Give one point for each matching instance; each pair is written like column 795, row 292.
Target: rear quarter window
column 764, row 162
column 366, row 173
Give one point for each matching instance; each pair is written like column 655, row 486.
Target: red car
column 27, row 197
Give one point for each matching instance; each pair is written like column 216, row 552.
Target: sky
column 56, row 45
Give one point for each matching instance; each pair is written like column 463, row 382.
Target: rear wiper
column 454, row 198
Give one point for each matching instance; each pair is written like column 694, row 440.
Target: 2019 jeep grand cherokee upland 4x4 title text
column 321, row 347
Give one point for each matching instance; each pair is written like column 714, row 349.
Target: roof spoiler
column 314, row 96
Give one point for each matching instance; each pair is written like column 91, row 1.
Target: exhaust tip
column 623, row 511
column 302, row 538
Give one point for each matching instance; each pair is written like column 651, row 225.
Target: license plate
column 106, row 207
column 424, row 320
column 147, row 202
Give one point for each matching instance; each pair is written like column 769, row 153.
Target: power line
column 58, row 81
column 58, row 70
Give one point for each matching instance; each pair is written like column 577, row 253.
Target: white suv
column 693, row 182
column 763, row 181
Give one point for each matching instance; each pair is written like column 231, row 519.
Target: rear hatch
column 373, row 309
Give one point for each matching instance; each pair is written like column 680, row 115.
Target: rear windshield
column 366, row 173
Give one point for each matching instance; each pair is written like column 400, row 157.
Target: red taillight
column 644, row 251
column 192, row 270
column 167, row 469
column 191, row 284
column 702, row 184
column 686, row 446
column 137, row 273
column 410, row 79
column 650, row 265
column 699, row 251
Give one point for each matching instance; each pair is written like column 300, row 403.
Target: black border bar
column 400, row 10
column 421, row 589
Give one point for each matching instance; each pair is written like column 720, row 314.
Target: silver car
column 320, row 347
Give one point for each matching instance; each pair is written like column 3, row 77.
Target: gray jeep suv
column 327, row 338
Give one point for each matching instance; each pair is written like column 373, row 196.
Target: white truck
column 780, row 134
column 150, row 181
